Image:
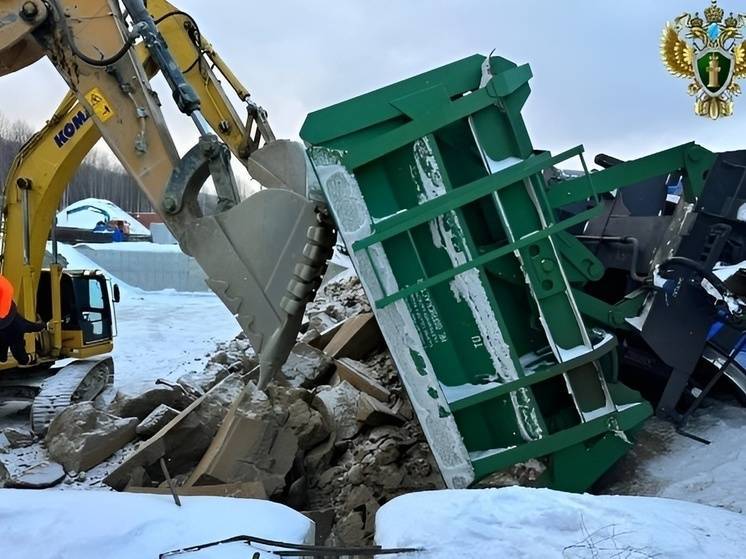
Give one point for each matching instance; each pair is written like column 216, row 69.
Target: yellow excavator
column 250, row 250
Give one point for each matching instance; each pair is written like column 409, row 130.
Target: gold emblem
column 711, row 53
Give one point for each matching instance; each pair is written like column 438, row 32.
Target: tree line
column 99, row 176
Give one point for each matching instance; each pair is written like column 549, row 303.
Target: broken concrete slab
column 372, row 412
column 342, row 403
column 156, row 420
column 307, row 424
column 241, row 490
column 41, row 476
column 17, row 437
column 139, row 404
column 305, row 414
column 357, row 375
column 183, row 440
column 252, row 444
column 322, row 339
column 321, row 321
column 82, row 436
column 307, row 367
column 356, row 338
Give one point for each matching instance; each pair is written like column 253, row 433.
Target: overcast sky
column 598, row 79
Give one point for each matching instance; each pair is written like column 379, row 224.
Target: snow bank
column 78, row 261
column 143, row 246
column 87, row 219
column 97, row 524
column 521, row 522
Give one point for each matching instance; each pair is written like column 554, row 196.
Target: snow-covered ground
column 87, row 218
column 99, row 524
column 527, row 523
column 161, row 334
column 667, row 464
column 164, row 335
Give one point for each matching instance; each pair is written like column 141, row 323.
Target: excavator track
column 80, row 381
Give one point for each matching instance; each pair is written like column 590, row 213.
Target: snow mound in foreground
column 97, row 524
column 87, row 218
column 520, row 522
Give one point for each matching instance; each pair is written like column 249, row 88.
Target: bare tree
column 99, row 176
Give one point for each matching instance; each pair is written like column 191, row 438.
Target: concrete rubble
column 82, row 436
column 182, row 441
column 254, row 442
column 307, row 367
column 335, row 438
column 140, row 405
column 155, row 421
column 41, row 476
column 18, row 438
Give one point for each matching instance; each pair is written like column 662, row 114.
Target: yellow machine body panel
column 46, row 164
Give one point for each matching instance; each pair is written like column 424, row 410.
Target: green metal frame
column 460, row 237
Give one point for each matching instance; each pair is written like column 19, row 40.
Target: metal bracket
column 210, row 157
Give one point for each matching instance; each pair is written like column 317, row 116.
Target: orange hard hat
column 6, row 296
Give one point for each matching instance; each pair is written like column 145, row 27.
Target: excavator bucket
column 265, row 256
column 441, row 201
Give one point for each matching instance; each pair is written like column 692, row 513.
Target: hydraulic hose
column 709, row 275
column 102, row 62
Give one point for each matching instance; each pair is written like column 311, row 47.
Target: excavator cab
column 78, row 307
column 86, row 313
column 89, row 312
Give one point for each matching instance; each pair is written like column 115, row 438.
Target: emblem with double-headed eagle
column 712, row 53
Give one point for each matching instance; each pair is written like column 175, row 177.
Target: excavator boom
column 263, row 256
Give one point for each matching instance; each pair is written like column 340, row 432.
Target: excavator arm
column 263, row 256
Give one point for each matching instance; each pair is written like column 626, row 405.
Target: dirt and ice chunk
column 182, row 441
column 41, row 476
column 307, row 367
column 141, row 404
column 253, row 444
column 342, row 403
column 82, row 436
column 156, row 420
column 18, row 437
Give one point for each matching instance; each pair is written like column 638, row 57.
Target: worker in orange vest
column 13, row 326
